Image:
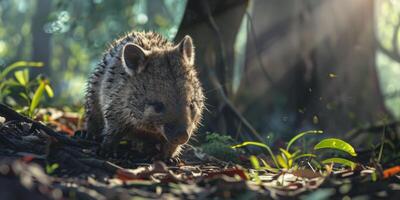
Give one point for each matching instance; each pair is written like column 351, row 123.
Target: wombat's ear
column 133, row 58
column 186, row 49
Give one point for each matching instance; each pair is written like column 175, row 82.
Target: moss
column 219, row 146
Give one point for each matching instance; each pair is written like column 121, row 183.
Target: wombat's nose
column 176, row 134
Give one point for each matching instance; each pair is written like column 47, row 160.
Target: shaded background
column 270, row 68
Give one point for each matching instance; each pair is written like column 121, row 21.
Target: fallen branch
column 10, row 114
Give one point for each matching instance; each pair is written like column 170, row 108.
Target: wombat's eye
column 157, row 106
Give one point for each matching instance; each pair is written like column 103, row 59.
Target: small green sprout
column 31, row 91
column 50, row 168
column 286, row 159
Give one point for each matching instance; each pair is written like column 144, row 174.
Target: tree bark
column 213, row 25
column 41, row 40
column 322, row 56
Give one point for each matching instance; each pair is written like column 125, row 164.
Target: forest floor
column 42, row 162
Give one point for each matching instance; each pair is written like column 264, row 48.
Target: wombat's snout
column 176, row 133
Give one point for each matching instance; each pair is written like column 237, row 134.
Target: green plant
column 286, row 159
column 50, row 168
column 30, row 91
column 219, row 146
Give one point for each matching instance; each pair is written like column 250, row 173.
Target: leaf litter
column 38, row 162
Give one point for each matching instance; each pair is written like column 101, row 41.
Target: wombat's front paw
column 166, row 154
column 108, row 148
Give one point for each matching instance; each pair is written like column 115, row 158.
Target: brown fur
column 147, row 88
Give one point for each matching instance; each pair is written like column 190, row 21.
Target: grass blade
column 304, row 155
column 254, row 162
column 258, row 144
column 266, row 166
column 301, row 135
column 49, row 90
column 36, row 97
column 340, row 161
column 334, row 143
column 19, row 64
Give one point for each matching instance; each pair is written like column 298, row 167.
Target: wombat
column 147, row 88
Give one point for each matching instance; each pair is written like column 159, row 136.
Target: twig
column 229, row 105
column 257, row 49
column 373, row 128
column 10, row 114
column 215, row 28
column 394, row 53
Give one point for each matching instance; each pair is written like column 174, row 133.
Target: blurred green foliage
column 77, row 33
column 219, row 146
column 287, row 159
column 388, row 12
column 20, row 91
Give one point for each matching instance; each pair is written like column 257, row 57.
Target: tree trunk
column 321, row 55
column 213, row 25
column 41, row 40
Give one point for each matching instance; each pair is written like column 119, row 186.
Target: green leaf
column 19, row 64
column 304, row 155
column 49, row 90
column 36, row 97
column 19, row 75
column 24, row 96
column 301, row 135
column 340, row 161
column 258, row 144
column 287, row 157
column 51, row 168
column 286, row 153
column 266, row 166
column 254, row 162
column 256, row 165
column 334, row 143
column 282, row 162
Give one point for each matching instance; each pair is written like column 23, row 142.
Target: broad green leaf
column 19, row 75
column 19, row 64
column 254, row 162
column 340, row 161
column 282, row 162
column 301, row 135
column 287, row 157
column 286, row 153
column 259, row 144
column 334, row 143
column 36, row 97
column 26, row 75
column 256, row 165
column 49, row 90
